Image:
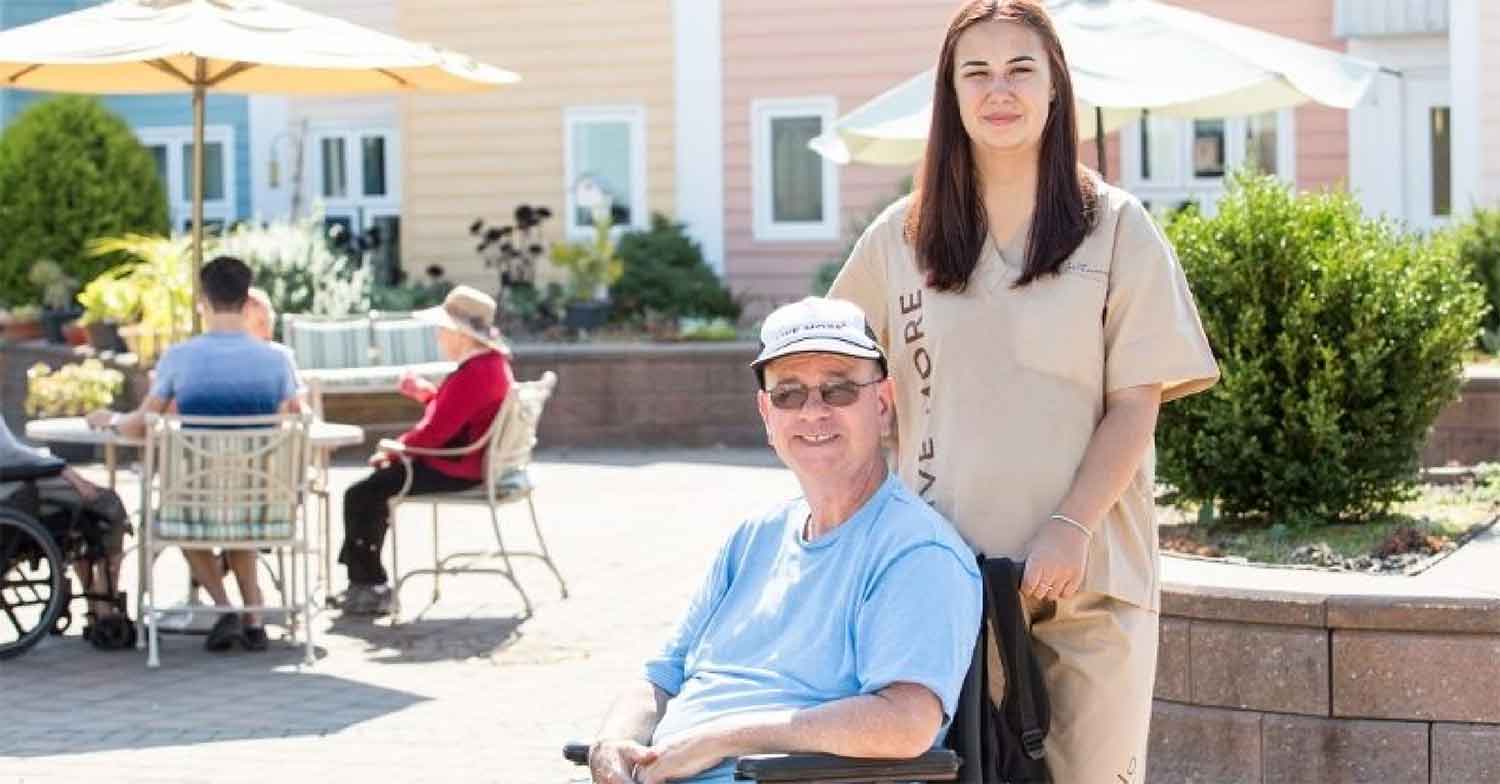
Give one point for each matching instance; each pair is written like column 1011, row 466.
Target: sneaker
column 255, row 638
column 228, row 630
column 372, row 600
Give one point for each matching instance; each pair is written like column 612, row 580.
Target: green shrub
column 665, row 274
column 409, row 296
column 1340, row 341
column 1477, row 243
column 71, row 171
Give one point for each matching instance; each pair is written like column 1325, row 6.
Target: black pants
column 366, row 515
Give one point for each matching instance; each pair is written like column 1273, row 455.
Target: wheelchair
column 39, row 537
column 981, row 746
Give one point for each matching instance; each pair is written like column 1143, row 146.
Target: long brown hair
column 947, row 223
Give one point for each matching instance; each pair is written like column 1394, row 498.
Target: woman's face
column 1003, row 81
column 452, row 343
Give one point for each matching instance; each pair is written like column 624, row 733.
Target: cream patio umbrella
column 1126, row 56
column 237, row 46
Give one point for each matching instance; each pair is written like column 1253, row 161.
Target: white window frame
column 356, row 199
column 635, row 117
column 1205, row 191
column 765, row 229
column 177, row 138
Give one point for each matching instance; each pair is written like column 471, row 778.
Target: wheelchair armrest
column 935, row 765
column 41, row 468
column 576, row 752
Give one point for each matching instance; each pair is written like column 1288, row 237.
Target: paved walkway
column 467, row 691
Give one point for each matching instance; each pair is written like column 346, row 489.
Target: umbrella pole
column 198, row 111
column 1099, row 143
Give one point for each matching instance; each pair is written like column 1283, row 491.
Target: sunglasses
column 838, row 394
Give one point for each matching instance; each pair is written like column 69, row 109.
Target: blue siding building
column 165, row 124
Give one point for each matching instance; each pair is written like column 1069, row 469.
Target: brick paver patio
column 465, row 692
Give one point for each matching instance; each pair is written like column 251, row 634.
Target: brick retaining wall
column 608, row 395
column 1260, row 686
column 1468, row 430
column 639, row 395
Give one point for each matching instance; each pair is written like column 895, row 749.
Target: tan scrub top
column 999, row 390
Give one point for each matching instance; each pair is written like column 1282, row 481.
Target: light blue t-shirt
column 225, row 374
column 892, row 595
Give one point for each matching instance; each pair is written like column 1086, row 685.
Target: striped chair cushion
column 244, row 526
column 330, row 344
column 406, row 342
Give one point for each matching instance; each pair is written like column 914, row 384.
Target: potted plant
column 107, row 303
column 57, row 295
column 23, row 322
column 71, row 390
column 160, row 281
column 592, row 267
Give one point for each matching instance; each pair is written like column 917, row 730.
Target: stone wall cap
column 1482, row 374
column 1245, row 605
column 1453, row 614
column 534, row 351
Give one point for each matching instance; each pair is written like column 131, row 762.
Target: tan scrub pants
column 1098, row 656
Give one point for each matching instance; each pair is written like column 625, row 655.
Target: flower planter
column 18, row 331
column 75, row 334
column 105, row 336
column 586, row 315
column 53, row 321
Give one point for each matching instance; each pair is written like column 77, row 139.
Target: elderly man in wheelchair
column 50, row 516
column 842, row 622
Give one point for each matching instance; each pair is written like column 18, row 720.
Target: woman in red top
column 457, row 414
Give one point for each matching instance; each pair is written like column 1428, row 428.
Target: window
column 1208, row 148
column 1261, row 142
column 605, row 146
column 795, row 190
column 1440, row 141
column 353, row 166
column 171, row 148
column 351, row 177
column 1169, row 161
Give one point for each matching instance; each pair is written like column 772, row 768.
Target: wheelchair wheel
column 33, row 586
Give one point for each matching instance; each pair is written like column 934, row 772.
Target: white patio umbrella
column 1126, row 56
column 237, row 46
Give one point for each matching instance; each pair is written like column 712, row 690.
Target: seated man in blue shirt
column 840, row 622
column 225, row 371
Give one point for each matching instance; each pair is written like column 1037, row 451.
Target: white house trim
column 765, row 229
column 272, row 150
column 699, row 112
column 1464, row 79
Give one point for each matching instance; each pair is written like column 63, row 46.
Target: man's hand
column 416, row 387
column 1055, row 560
column 380, row 459
column 685, row 756
column 100, row 420
column 616, row 761
column 86, row 490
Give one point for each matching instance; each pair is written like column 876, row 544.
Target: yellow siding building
column 597, row 79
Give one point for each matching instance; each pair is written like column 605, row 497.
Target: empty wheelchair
column 41, row 533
